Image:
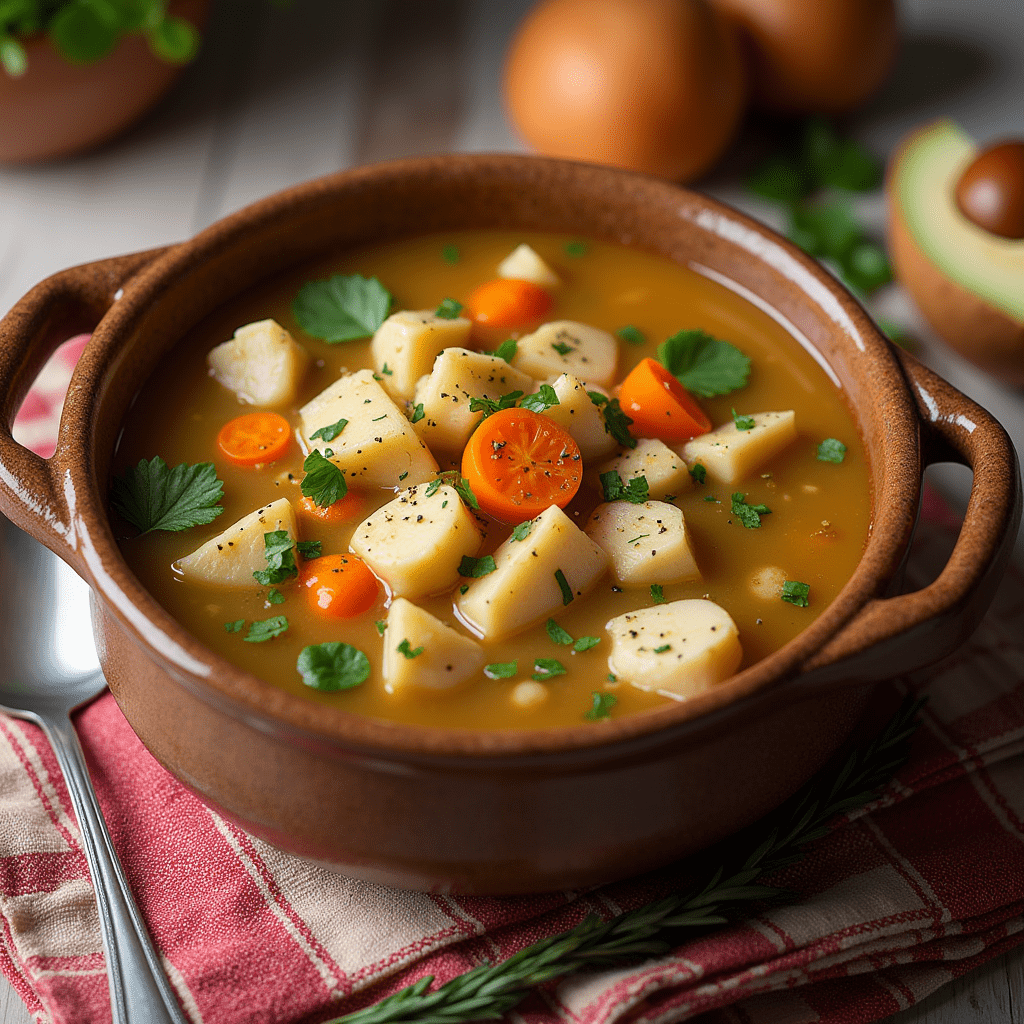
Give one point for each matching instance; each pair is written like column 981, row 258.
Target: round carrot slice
column 508, row 302
column 659, row 405
column 344, row 509
column 340, row 586
column 519, row 463
column 255, row 438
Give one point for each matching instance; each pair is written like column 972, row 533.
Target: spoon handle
column 139, row 990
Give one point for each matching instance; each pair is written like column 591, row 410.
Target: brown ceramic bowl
column 497, row 812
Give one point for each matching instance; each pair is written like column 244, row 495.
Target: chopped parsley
column 333, row 666
column 704, row 365
column 234, row 627
column 501, row 669
column 796, row 593
column 377, row 419
column 448, row 310
column 491, row 405
column 576, row 249
column 309, row 549
column 637, row 539
column 522, row 531
column 342, row 308
column 541, row 401
column 458, row 483
column 387, row 373
column 831, row 450
column 274, row 596
column 450, row 254
column 711, row 497
column 463, row 588
column 631, row 335
column 601, row 706
column 330, row 432
column 277, row 548
column 266, row 629
column 556, row 633
column 323, row 482
column 585, row 643
column 698, row 473
column 636, row 491
column 563, row 585
column 616, row 422
column 151, row 496
column 545, row 668
column 748, row 515
column 562, row 348
column 405, row 649
column 743, row 422
column 663, row 648
column 507, row 350
column 381, row 625
column 417, row 414
column 657, row 594
column 474, row 568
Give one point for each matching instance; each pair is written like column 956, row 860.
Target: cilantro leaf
column 277, row 548
column 234, row 627
column 601, row 707
column 333, row 666
column 405, row 649
column 663, row 648
column 454, row 479
column 831, row 450
column 342, row 308
column 794, row 592
column 274, row 596
column 380, row 625
column 417, row 414
column 585, row 643
column 448, row 310
column 556, row 633
column 490, row 405
column 698, row 473
column 522, row 531
column 323, row 482
column 541, row 401
column 636, row 491
column 657, row 594
column 705, row 365
column 501, row 669
column 266, row 629
column 507, row 350
column 748, row 515
column 330, row 432
column 545, row 668
column 309, row 549
column 562, row 348
column 743, row 422
column 152, row 497
column 631, row 335
column 563, row 585
column 616, row 422
column 474, row 568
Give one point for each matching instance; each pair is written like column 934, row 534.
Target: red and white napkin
column 914, row 891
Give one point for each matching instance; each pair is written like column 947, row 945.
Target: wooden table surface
column 278, row 97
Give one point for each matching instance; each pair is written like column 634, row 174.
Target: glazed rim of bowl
column 482, row 191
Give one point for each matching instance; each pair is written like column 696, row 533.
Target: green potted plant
column 73, row 73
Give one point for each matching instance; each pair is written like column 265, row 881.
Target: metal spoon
column 48, row 667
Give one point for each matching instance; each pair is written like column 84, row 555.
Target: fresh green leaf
column 562, row 348
column 631, row 335
column 501, row 669
column 866, row 267
column 541, row 401
column 463, row 588
column 234, row 627
column 636, row 492
column 657, row 594
column 274, row 596
column 83, row 32
column 616, row 422
column 474, row 568
column 837, row 162
column 266, row 629
column 417, row 414
column 546, row 668
column 277, row 548
column 831, row 450
column 380, row 626
column 507, row 350
column 704, row 365
column 563, row 585
column 556, row 633
column 585, row 643
column 448, row 310
column 780, row 179
column 576, row 249
column 387, row 371
column 333, row 666
column 488, row 406
column 342, row 308
column 324, row 483
column 827, row 230
column 748, row 515
column 329, row 433
column 794, row 592
column 459, row 483
column 13, row 58
column 309, row 549
column 663, row 648
column 601, row 705
column 522, row 531
column 450, row 254
column 174, row 40
column 711, row 497
column 743, row 422
column 152, row 497
column 698, row 473
column 405, row 649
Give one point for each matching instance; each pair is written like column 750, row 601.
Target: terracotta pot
column 497, row 812
column 56, row 109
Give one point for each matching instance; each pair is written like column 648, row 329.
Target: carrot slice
column 659, row 405
column 519, row 463
column 255, row 438
column 340, row 586
column 341, row 511
column 508, row 302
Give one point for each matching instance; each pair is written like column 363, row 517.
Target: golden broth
column 815, row 534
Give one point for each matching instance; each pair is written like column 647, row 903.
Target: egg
column 650, row 85
column 814, row 56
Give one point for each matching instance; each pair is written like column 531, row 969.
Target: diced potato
column 524, row 589
column 684, row 647
column 729, row 454
column 664, row 469
column 645, row 543
column 564, row 346
column 378, row 446
column 459, row 376
column 407, row 343
column 416, row 542
column 524, row 264
column 445, row 657
column 262, row 364
column 584, row 421
column 230, row 558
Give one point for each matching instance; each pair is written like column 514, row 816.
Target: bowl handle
column 69, row 303
column 893, row 635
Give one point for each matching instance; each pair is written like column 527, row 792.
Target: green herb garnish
column 522, row 531
column 501, row 669
column 329, row 433
column 333, row 666
column 638, row 538
column 576, row 249
column 324, row 483
column 635, row 491
column 274, row 596
column 463, row 588
column 450, row 254
column 342, row 308
column 457, row 482
column 698, row 473
column 563, row 585
column 657, row 594
column 704, row 365
column 748, row 515
column 541, row 401
column 417, row 414
column 507, row 350
column 151, row 496
column 616, row 422
column 546, row 668
column 387, row 371
column 796, row 593
column 277, row 548
column 743, row 422
column 831, row 450
column 488, row 406
column 601, row 706
column 562, row 348
column 556, row 633
column 474, row 568
column 405, row 649
column 663, row 648
column 585, row 643
column 380, row 625
column 234, row 627
column 631, row 335
column 309, row 549
column 448, row 310
column 266, row 629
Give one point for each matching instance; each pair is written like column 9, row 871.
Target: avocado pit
column 990, row 192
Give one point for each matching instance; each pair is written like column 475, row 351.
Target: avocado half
column 968, row 282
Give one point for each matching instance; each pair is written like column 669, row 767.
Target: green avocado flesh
column 924, row 180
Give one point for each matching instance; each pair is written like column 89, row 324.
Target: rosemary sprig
column 489, row 991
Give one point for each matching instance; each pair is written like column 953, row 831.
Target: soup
column 771, row 538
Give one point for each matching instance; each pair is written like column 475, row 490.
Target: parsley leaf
column 380, row 626
column 330, row 432
column 631, row 335
column 601, row 707
column 796, row 593
column 748, row 515
column 616, row 422
column 576, row 249
column 585, row 643
column 450, row 254
column 491, row 405
column 545, row 668
column 501, row 669
column 835, row 161
column 417, row 414
column 636, row 491
column 448, row 310
column 333, row 666
column 454, row 479
column 556, row 633
column 743, row 422
column 406, row 650
column 522, row 531
column 563, row 585
column 474, row 568
column 266, row 629
column 657, row 594
column 831, row 450
column 507, row 350
column 698, row 473
column 663, row 648
column 277, row 548
column 562, row 348
column 152, row 497
column 234, row 627
column 274, row 596
column 342, row 308
column 541, row 401
column 704, row 365
column 323, row 482
column 309, row 548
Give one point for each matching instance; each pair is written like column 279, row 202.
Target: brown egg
column 990, row 192
column 814, row 56
column 650, row 85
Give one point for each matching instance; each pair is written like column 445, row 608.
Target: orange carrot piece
column 508, row 302
column 344, row 509
column 339, row 586
column 255, row 438
column 659, row 405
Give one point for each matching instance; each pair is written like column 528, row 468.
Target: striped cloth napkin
column 903, row 896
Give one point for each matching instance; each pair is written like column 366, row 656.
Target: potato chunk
column 576, row 413
column 664, row 469
column 729, row 454
column 416, row 542
column 230, row 558
column 524, row 588
column 421, row 651
column 645, row 543
column 407, row 343
column 262, row 364
column 378, row 446
column 523, row 264
column 458, row 377
column 565, row 346
column 684, row 647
